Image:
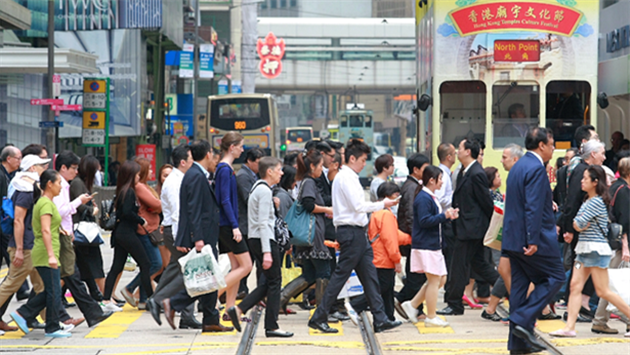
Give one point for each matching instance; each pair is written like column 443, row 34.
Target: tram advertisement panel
column 471, row 32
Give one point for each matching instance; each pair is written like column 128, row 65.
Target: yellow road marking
column 547, row 326
column 225, row 324
column 433, row 330
column 587, row 341
column 445, row 341
column 337, row 326
column 452, row 351
column 117, row 324
column 4, row 272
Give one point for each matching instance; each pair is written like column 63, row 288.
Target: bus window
column 463, row 110
column 567, row 108
column 515, row 109
column 368, row 121
column 344, row 121
column 356, row 120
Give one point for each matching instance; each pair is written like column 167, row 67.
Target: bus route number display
column 240, row 125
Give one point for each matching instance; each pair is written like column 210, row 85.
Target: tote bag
column 301, row 223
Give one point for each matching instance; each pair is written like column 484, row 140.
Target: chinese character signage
column 206, row 61
column 509, row 16
column 147, row 151
column 186, row 64
column 270, row 51
column 95, row 113
column 516, row 51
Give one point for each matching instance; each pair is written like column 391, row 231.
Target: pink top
column 66, row 207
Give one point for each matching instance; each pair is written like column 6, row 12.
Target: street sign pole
column 96, row 117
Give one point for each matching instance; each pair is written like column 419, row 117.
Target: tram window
column 515, row 109
column 567, row 108
column 368, row 121
column 356, row 120
column 343, row 121
column 463, row 110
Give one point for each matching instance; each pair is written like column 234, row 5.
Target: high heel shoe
column 470, row 303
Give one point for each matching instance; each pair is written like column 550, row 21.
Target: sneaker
column 491, row 316
column 20, row 322
column 436, row 322
column 411, row 312
column 130, row 265
column 59, row 334
column 354, row 317
column 110, row 307
column 66, row 327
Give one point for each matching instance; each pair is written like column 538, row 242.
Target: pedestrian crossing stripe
column 4, row 272
column 117, row 324
column 547, row 326
column 433, row 330
column 225, row 324
column 587, row 341
column 337, row 326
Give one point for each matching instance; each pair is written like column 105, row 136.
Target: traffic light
column 283, row 147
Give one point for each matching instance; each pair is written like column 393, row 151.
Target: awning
column 35, row 61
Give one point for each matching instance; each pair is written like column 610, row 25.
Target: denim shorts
column 593, row 259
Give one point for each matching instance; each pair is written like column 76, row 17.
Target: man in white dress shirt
column 350, row 218
column 447, row 155
column 182, row 159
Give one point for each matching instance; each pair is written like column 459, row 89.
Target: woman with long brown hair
column 230, row 238
column 125, row 239
column 89, row 257
column 150, row 209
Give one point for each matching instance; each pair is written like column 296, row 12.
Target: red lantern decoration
column 270, row 51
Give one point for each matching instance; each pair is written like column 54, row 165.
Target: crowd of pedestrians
column 555, row 247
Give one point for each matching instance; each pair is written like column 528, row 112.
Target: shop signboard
column 186, row 63
column 206, row 61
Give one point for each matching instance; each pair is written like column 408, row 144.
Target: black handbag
column 108, row 215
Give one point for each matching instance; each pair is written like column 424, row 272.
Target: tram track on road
column 245, row 346
column 552, row 349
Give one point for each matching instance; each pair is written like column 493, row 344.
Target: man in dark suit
column 473, row 199
column 198, row 226
column 245, row 179
column 530, row 241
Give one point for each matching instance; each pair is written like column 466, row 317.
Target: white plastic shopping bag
column 201, row 272
column 352, row 287
column 494, row 234
column 619, row 282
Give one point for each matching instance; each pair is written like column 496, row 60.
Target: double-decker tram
column 255, row 116
column 357, row 123
column 492, row 69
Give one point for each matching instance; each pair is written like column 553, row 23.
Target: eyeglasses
column 17, row 158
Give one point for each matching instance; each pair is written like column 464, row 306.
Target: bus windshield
column 299, row 135
column 239, row 114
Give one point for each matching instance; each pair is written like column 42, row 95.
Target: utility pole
column 196, row 68
column 51, row 134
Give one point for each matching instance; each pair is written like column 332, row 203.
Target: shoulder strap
column 612, row 203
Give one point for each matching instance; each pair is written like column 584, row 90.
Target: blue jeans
column 155, row 258
column 51, row 297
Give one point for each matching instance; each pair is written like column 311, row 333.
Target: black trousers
column 386, row 280
column 50, row 299
column 127, row 242
column 355, row 252
column 269, row 286
column 88, row 306
column 467, row 255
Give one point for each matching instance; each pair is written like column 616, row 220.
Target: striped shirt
column 593, row 239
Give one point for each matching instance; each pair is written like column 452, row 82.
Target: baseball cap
column 31, row 160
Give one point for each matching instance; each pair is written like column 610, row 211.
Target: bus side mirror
column 602, row 100
column 424, row 102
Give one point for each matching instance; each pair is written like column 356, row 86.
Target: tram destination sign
column 502, row 16
column 516, row 51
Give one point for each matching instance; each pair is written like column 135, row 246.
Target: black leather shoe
column 234, row 318
column 22, row 295
column 154, row 309
column 580, row 318
column 322, row 327
column 99, row 319
column 529, row 338
column 277, row 334
column 339, row 316
column 387, row 325
column 448, row 311
column 37, row 325
column 190, row 324
column 549, row 316
column 491, row 316
column 586, row 313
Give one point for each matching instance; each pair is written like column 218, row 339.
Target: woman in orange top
column 385, row 238
column 150, row 209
